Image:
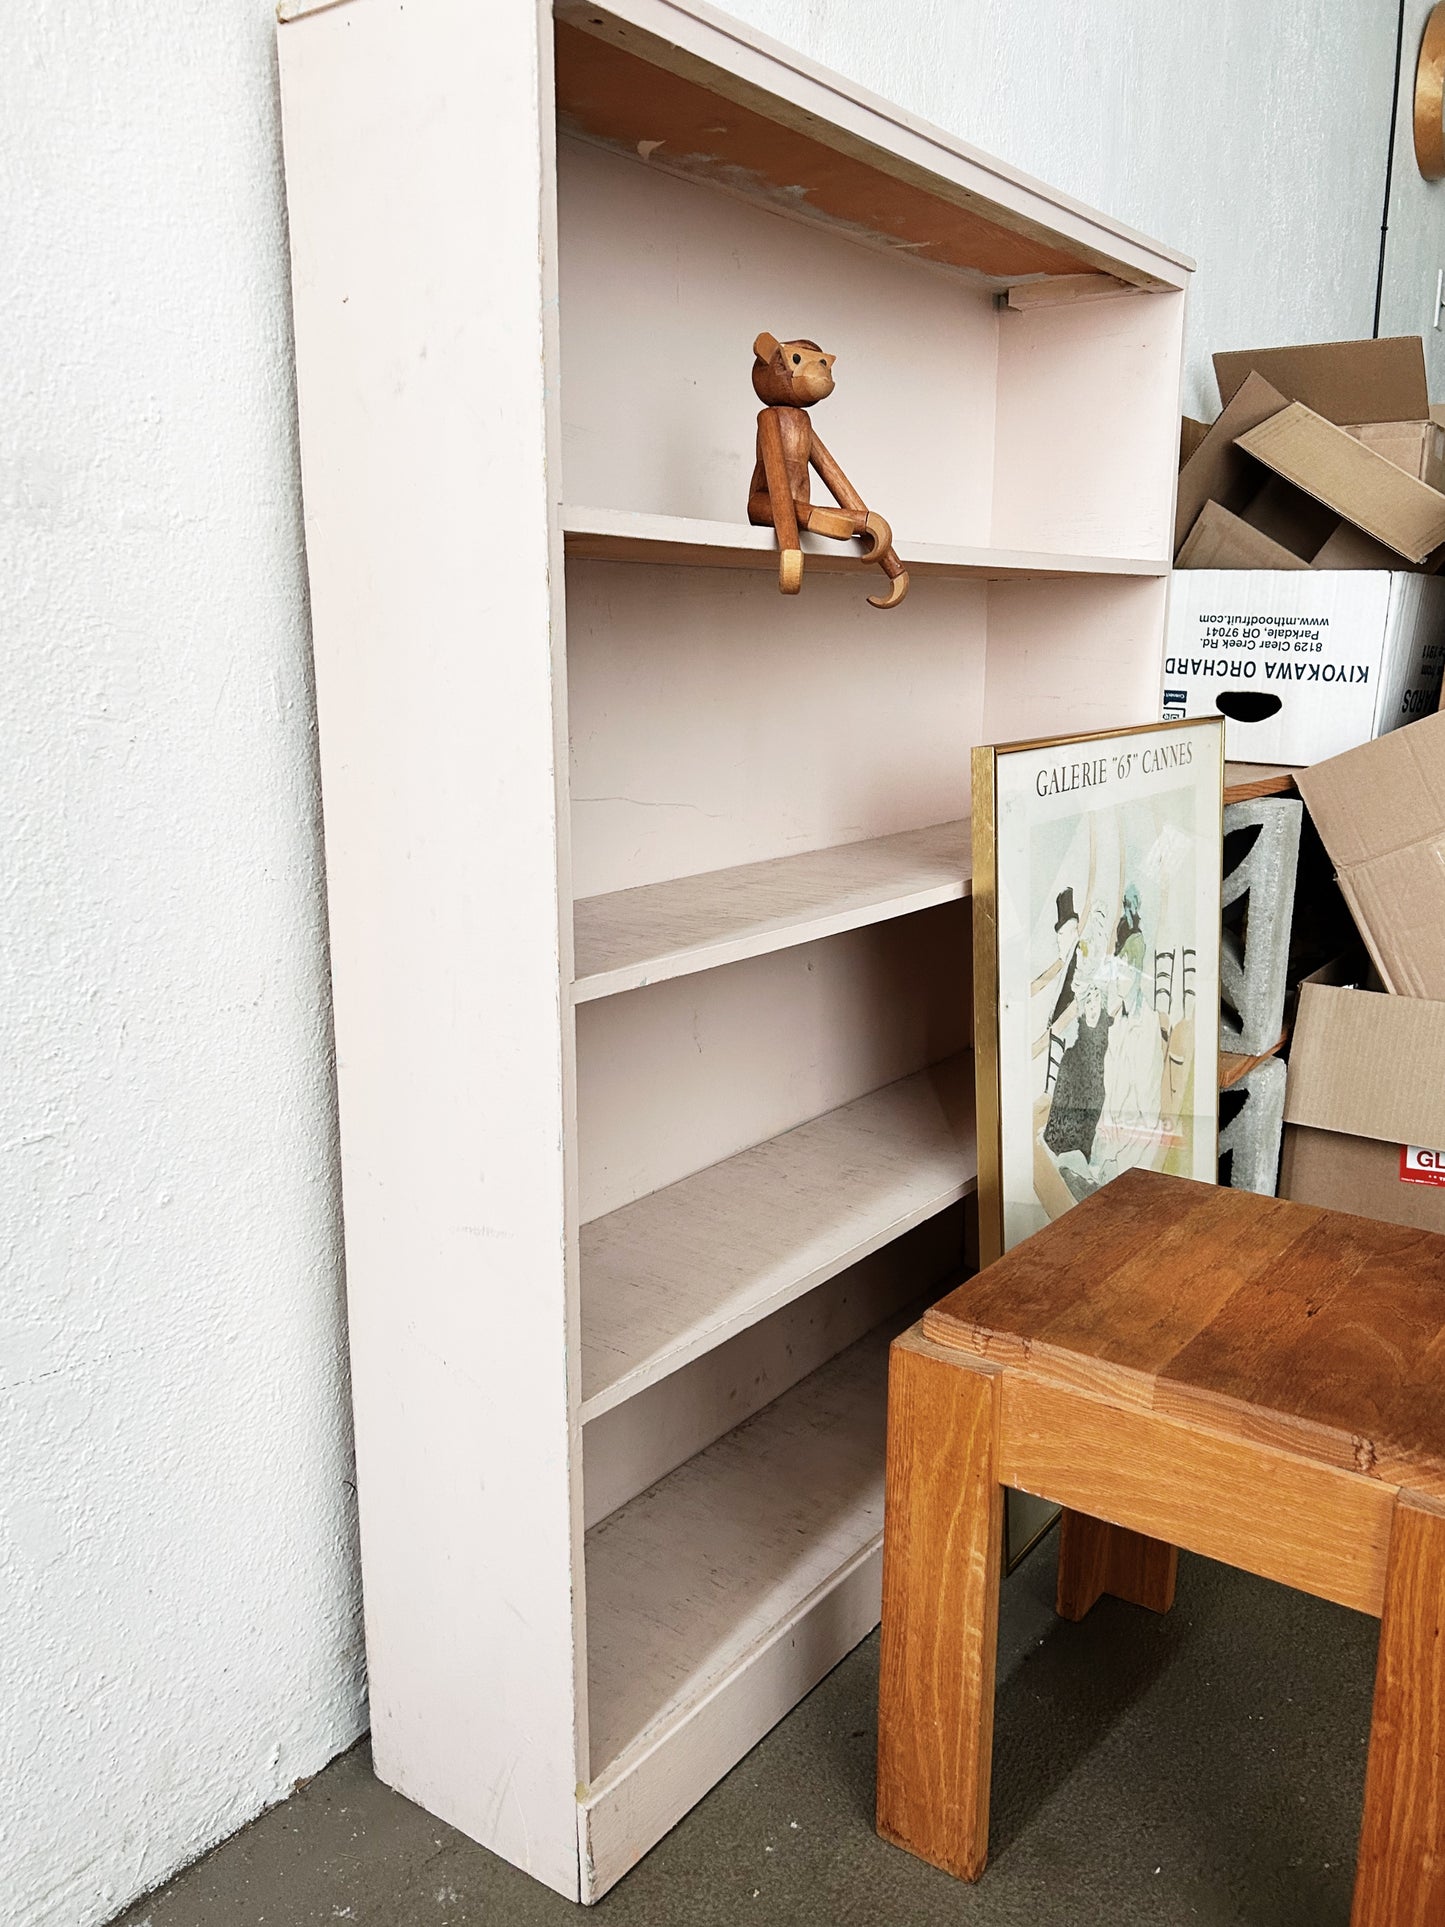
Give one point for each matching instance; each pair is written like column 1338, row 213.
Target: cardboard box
column 1365, row 1106
column 1191, row 434
column 1345, row 381
column 1221, row 540
column 1295, row 520
column 1417, row 447
column 1351, row 479
column 1280, row 527
column 1302, row 664
column 1351, row 548
column 1217, row 471
column 1380, row 813
column 1362, row 497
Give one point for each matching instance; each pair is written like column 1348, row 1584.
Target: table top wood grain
column 1316, row 1332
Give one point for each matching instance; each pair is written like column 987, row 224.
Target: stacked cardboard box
column 1365, row 1101
column 1305, row 606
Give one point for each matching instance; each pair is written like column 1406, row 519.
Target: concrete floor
column 1201, row 1769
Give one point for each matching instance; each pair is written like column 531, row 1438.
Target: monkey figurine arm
column 789, row 376
column 775, row 501
column 882, row 551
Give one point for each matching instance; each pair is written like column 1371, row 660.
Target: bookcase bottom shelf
column 721, row 1595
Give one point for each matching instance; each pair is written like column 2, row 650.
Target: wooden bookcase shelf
column 624, row 535
column 754, row 1545
column 657, row 931
column 683, row 1269
column 649, row 888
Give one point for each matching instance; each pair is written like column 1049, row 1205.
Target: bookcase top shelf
column 692, row 92
column 628, row 535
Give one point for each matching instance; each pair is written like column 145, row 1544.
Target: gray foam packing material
column 1254, row 972
column 1254, row 1134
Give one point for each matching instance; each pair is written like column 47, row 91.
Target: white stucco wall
column 179, row 1637
column 178, row 1597
column 1249, row 133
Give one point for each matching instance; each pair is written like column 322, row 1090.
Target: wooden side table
column 1177, row 1365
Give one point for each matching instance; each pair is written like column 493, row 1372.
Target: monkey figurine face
column 791, row 374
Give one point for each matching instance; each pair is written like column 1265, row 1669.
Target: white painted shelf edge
column 762, row 1551
column 629, row 938
column 678, row 1272
column 630, row 535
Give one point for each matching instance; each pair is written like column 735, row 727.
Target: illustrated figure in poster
column 1134, row 1072
column 1078, row 1094
column 1115, row 1043
column 1066, row 931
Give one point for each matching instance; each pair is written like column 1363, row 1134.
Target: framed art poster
column 1096, row 886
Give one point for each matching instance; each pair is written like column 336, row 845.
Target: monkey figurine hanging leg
column 789, row 376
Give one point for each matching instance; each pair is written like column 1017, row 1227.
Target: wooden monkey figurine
column 789, row 376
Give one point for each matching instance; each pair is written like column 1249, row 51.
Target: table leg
column 942, row 1552
column 1400, row 1879
column 1096, row 1558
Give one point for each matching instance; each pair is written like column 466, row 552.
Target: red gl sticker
column 1419, row 1166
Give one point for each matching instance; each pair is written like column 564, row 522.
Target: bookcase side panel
column 416, row 141
column 1070, row 656
column 1088, row 426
